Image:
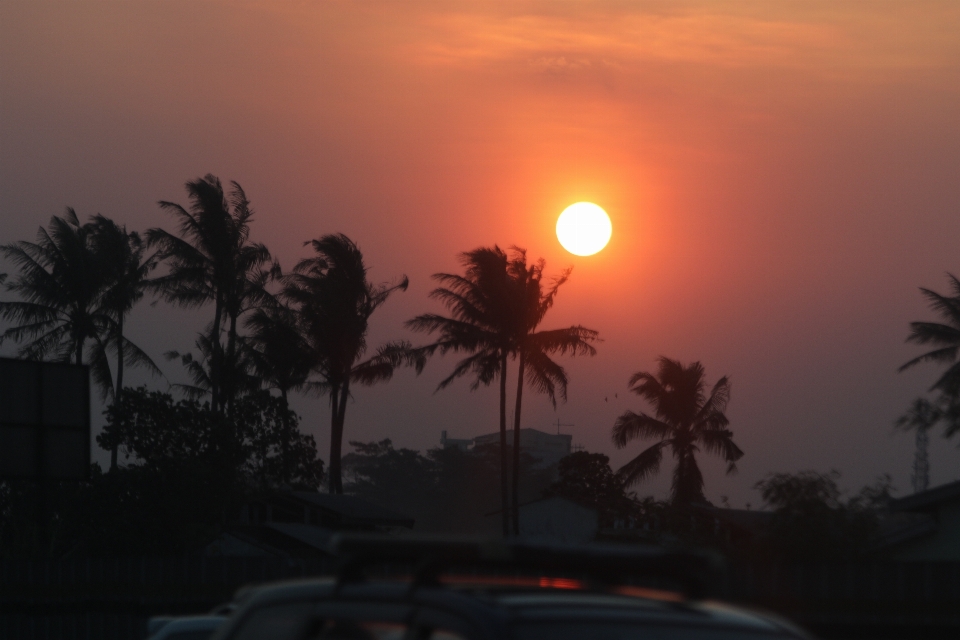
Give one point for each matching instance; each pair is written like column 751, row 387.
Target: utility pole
column 562, row 425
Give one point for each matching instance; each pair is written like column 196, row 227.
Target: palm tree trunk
column 516, row 451
column 504, row 484
column 284, row 443
column 118, row 389
column 333, row 479
column 336, row 440
column 231, row 391
column 215, row 356
column 78, row 355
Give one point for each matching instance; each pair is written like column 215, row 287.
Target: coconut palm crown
column 943, row 336
column 60, row 285
column 685, row 419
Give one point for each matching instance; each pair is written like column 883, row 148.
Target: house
column 553, row 519
column 924, row 526
column 302, row 523
column 547, row 448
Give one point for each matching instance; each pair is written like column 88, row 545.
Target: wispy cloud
column 799, row 36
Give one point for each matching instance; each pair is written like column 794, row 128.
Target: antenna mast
column 921, row 463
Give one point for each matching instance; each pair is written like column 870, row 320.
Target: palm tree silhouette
column 126, row 270
column 684, row 420
column 239, row 370
column 278, row 351
column 486, row 307
column 334, row 301
column 61, row 283
column 533, row 349
column 944, row 336
column 213, row 260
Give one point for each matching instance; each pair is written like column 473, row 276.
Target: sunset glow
column 584, row 228
column 782, row 177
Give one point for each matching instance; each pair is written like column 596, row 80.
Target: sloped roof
column 896, row 528
column 353, row 509
column 308, row 534
column 929, row 499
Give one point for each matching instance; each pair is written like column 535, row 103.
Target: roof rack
column 607, row 564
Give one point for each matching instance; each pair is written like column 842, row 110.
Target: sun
column 584, row 228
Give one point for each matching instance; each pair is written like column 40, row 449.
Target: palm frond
column 644, row 466
column 631, row 426
column 719, row 442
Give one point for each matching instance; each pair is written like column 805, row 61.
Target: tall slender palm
column 334, row 301
column 126, row 269
column 684, row 419
column 60, row 284
column 280, row 355
column 486, row 308
column 533, row 349
column 200, row 369
column 279, row 352
column 213, row 260
column 944, row 336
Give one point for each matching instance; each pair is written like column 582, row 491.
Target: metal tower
column 921, row 463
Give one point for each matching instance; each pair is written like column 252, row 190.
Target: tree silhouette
column 486, row 308
column 945, row 337
column 533, row 348
column 126, row 270
column 60, row 283
column 213, row 260
column 684, row 420
column 278, row 353
column 334, row 301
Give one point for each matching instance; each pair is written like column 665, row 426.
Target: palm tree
column 684, row 419
column 126, row 270
column 278, row 351
column 280, row 355
column 533, row 349
column 213, row 260
column 334, row 301
column 60, row 284
column 486, row 307
column 200, row 368
column 944, row 336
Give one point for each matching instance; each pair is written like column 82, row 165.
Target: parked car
column 183, row 628
column 476, row 590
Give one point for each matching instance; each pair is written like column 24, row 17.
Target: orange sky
column 781, row 178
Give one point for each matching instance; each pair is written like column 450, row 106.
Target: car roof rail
column 695, row 572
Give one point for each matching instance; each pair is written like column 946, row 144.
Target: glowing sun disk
column 584, row 228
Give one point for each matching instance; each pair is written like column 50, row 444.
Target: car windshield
column 634, row 630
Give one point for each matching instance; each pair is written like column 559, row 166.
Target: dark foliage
column 587, row 478
column 193, row 469
column 446, row 490
column 811, row 522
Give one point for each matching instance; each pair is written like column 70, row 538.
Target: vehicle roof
column 488, row 604
column 188, row 623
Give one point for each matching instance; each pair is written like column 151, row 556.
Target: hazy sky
column 781, row 178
